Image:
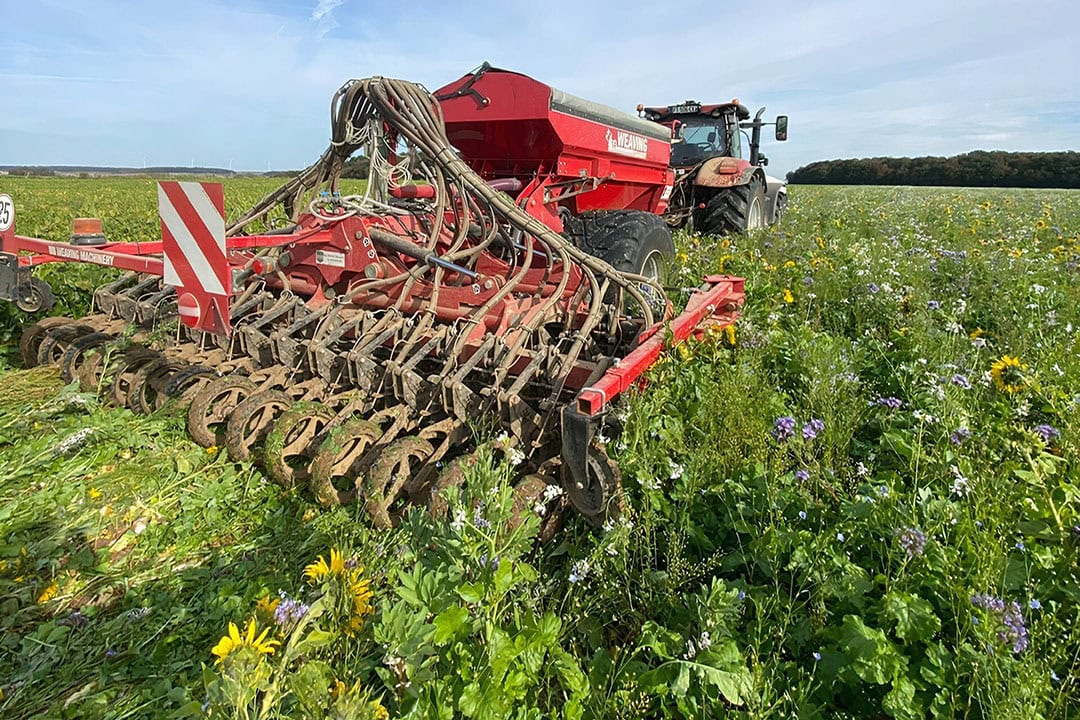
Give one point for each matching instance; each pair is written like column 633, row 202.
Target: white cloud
column 323, row 16
column 216, row 81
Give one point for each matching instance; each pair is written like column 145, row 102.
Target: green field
column 865, row 506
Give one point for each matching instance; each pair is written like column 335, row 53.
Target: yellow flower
column 789, row 264
column 1017, row 252
column 729, row 333
column 350, row 587
column 211, row 450
column 681, row 256
column 788, row 297
column 977, row 332
column 94, row 493
column 266, row 606
column 380, row 712
column 319, row 570
column 48, row 593
column 1008, row 374
column 337, row 689
column 986, row 205
column 1040, row 224
column 234, row 642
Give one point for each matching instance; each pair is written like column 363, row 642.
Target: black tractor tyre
column 631, row 241
column 733, row 210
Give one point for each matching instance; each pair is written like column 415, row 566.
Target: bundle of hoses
column 413, row 113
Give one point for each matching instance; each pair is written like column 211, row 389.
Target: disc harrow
column 359, row 352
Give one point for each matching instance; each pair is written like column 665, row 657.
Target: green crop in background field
column 863, row 503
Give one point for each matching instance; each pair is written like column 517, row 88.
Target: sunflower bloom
column 233, row 642
column 1008, row 374
column 349, row 587
column 320, row 570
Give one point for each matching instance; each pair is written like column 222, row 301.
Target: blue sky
column 247, row 83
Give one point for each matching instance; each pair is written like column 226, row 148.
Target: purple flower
column 802, row 475
column 960, row 436
column 893, row 403
column 783, row 428
column 817, row 656
column 811, row 429
column 961, row 382
column 933, row 305
column 913, row 540
column 478, row 518
column 808, row 280
column 289, row 611
column 1013, row 628
column 802, row 514
column 741, row 595
column 110, row 653
column 873, row 288
column 1034, row 604
column 1047, row 432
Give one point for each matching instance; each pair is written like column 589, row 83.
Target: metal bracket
column 12, row 276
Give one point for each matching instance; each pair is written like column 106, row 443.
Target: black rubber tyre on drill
column 733, row 210
column 632, row 241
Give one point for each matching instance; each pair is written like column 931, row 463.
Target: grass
column 827, row 574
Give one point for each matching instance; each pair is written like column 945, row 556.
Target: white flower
column 960, row 486
column 551, row 492
column 515, row 456
column 579, row 571
column 676, row 469
column 540, row 509
column 459, row 520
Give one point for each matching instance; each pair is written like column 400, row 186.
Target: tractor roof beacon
column 351, row 349
column 720, row 181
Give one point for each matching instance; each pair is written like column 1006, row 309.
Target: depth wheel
column 57, row 340
column 211, row 406
column 33, row 335
column 91, row 370
column 35, row 296
column 183, row 384
column 250, row 422
column 601, row 495
column 76, row 351
column 452, row 476
column 337, row 470
column 147, row 392
column 126, row 369
column 385, row 496
column 292, row 442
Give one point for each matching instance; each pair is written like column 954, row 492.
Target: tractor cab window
column 702, row 138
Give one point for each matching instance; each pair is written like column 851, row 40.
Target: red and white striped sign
column 193, row 244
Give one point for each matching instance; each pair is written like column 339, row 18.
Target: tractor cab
column 700, row 132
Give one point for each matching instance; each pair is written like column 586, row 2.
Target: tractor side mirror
column 676, row 132
column 781, row 128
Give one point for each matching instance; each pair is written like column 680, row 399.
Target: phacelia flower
column 893, row 403
column 1013, row 628
column 811, row 429
column 802, row 475
column 1047, row 432
column 960, row 436
column 913, row 540
column 783, row 428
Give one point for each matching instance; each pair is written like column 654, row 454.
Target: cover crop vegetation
column 861, row 503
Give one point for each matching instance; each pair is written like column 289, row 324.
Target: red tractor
column 719, row 186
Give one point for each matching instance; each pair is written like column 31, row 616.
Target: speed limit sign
column 7, row 212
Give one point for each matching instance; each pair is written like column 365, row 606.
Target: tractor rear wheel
column 631, row 241
column 733, row 210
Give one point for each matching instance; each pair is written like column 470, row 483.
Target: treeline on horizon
column 974, row 169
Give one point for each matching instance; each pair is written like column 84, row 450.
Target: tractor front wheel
column 733, row 210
